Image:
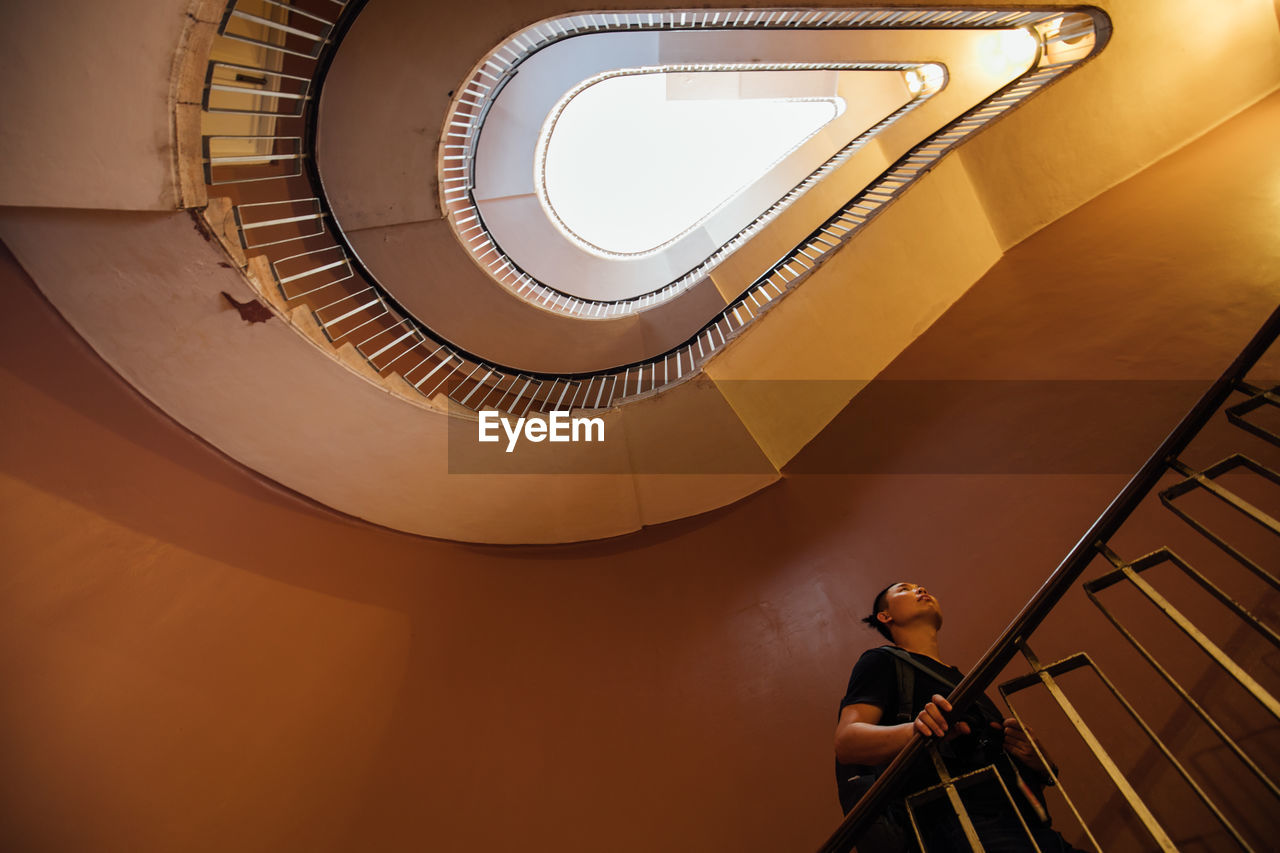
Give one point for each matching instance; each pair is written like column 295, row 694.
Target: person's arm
column 861, row 740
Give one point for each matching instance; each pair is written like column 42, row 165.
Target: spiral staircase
column 257, row 218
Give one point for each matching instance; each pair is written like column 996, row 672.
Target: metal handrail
column 1013, row 639
column 392, row 340
column 472, row 102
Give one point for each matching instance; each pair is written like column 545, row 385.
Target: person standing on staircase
column 898, row 690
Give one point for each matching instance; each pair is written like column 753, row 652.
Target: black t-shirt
column 874, row 681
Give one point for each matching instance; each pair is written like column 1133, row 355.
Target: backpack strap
column 906, row 689
column 906, row 666
column 905, row 658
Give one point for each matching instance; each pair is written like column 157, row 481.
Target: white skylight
column 636, row 160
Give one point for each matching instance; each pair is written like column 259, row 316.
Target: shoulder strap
column 906, row 657
column 906, row 690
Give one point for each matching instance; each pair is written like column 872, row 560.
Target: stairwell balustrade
column 266, row 71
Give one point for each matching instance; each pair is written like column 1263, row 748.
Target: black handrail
column 995, row 659
column 1102, row 28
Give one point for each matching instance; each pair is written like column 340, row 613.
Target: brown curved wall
column 194, row 660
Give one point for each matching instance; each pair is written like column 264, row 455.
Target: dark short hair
column 876, row 606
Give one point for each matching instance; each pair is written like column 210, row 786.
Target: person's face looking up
column 905, row 602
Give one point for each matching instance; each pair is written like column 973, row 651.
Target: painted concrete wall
column 88, row 121
column 1170, row 68
column 196, row 660
column 1136, row 101
column 147, row 290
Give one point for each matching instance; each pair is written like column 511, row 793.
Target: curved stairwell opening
column 390, row 451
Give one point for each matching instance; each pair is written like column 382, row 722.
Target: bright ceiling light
column 1007, row 51
column 934, row 76
column 925, row 79
column 915, row 80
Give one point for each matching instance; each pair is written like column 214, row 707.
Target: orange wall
column 194, row 660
